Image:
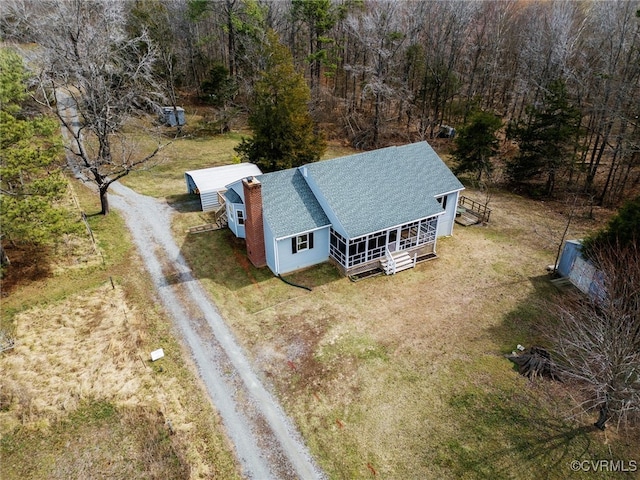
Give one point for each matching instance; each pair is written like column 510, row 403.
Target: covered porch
column 390, row 250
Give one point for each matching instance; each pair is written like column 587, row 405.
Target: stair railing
column 391, row 263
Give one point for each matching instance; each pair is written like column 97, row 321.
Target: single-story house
column 379, row 209
column 210, row 183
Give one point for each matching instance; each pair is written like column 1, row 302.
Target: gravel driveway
column 266, row 443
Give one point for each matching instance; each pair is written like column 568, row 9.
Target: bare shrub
column 596, row 338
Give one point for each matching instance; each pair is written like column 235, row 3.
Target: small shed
column 173, row 116
column 209, row 182
column 569, row 254
column 580, row 271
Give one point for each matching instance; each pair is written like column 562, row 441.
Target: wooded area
column 383, row 72
column 534, row 97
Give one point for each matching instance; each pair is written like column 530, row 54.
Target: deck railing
column 481, row 210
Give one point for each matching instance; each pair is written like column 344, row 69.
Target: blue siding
column 237, row 187
column 269, row 247
column 287, row 261
column 446, row 221
column 570, row 251
column 232, row 208
column 191, row 185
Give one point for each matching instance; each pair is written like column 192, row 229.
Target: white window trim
column 302, row 240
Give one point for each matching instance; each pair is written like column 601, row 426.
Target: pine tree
column 476, row 143
column 622, row 230
column 31, row 181
column 284, row 134
column 547, row 140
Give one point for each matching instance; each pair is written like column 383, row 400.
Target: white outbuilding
column 210, row 183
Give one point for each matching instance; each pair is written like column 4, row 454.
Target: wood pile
column 534, row 362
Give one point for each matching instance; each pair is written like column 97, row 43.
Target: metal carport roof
column 207, row 182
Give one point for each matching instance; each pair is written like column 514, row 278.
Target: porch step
column 402, row 260
column 222, row 220
column 207, row 227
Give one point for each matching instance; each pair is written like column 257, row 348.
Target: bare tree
column 445, row 26
column 613, row 52
column 378, row 34
column 596, row 339
column 100, row 75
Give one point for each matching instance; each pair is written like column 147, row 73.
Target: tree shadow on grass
column 522, row 325
column 28, row 264
column 515, row 435
column 522, row 429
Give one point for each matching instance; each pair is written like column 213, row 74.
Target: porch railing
column 481, row 210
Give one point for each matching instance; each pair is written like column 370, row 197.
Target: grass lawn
column 405, row 376
column 165, row 179
column 391, row 377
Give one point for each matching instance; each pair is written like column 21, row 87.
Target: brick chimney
column 253, row 224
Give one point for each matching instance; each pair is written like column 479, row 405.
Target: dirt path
column 266, row 443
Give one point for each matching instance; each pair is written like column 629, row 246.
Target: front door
column 392, row 240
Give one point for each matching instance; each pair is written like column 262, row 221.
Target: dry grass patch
column 94, row 347
column 84, row 347
column 84, row 443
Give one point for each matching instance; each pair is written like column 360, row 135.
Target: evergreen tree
column 30, row 178
column 284, row 134
column 218, row 88
column 621, row 231
column 320, row 16
column 547, row 139
column 476, row 143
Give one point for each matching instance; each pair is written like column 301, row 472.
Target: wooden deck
column 377, row 267
column 466, row 218
column 470, row 212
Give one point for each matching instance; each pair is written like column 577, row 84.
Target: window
column 302, row 242
column 338, row 247
column 357, row 251
column 409, row 235
column 428, row 230
column 442, row 201
column 376, row 246
column 240, row 217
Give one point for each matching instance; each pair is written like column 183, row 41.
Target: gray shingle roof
column 289, row 206
column 232, row 196
column 383, row 188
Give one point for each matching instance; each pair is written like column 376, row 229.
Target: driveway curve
column 266, row 443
